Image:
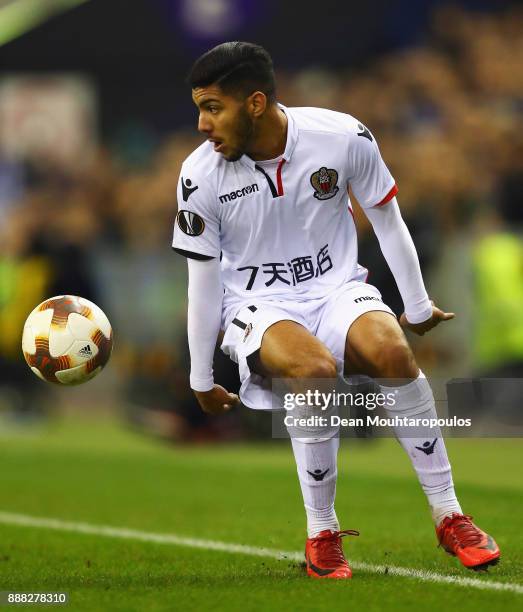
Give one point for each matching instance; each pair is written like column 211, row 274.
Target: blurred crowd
column 448, row 119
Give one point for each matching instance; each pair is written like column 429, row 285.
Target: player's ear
column 257, row 103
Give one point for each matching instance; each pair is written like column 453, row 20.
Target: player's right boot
column 324, row 555
column 458, row 535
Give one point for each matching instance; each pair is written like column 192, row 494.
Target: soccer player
column 266, row 224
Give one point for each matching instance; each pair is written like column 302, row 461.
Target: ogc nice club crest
column 324, row 182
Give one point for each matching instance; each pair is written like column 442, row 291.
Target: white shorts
column 329, row 319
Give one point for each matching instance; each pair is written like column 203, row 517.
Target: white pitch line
column 9, row 518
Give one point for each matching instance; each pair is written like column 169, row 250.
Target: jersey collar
column 292, row 138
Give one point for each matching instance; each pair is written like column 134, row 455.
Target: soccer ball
column 67, row 340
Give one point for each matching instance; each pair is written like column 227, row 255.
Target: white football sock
column 427, row 450
column 316, row 463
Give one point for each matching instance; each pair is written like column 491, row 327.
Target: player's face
column 224, row 120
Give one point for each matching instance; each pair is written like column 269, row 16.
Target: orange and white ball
column 67, row 340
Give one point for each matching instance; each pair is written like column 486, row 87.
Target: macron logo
column 228, row 197
column 187, row 189
column 365, row 298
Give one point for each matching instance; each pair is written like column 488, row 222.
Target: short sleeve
column 197, row 225
column 369, row 177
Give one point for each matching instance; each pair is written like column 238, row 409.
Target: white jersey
column 283, row 230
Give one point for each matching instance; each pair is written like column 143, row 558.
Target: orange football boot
column 458, row 535
column 324, row 555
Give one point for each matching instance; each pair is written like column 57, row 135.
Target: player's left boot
column 458, row 535
column 324, row 555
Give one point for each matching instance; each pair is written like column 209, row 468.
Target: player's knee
column 323, row 366
column 396, row 361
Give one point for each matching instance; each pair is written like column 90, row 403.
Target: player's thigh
column 376, row 346
column 289, row 350
column 341, row 310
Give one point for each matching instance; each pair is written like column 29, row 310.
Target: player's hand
column 421, row 328
column 216, row 401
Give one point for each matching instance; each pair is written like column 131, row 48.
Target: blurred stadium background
column 95, row 120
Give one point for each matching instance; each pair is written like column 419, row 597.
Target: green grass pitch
column 100, row 474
